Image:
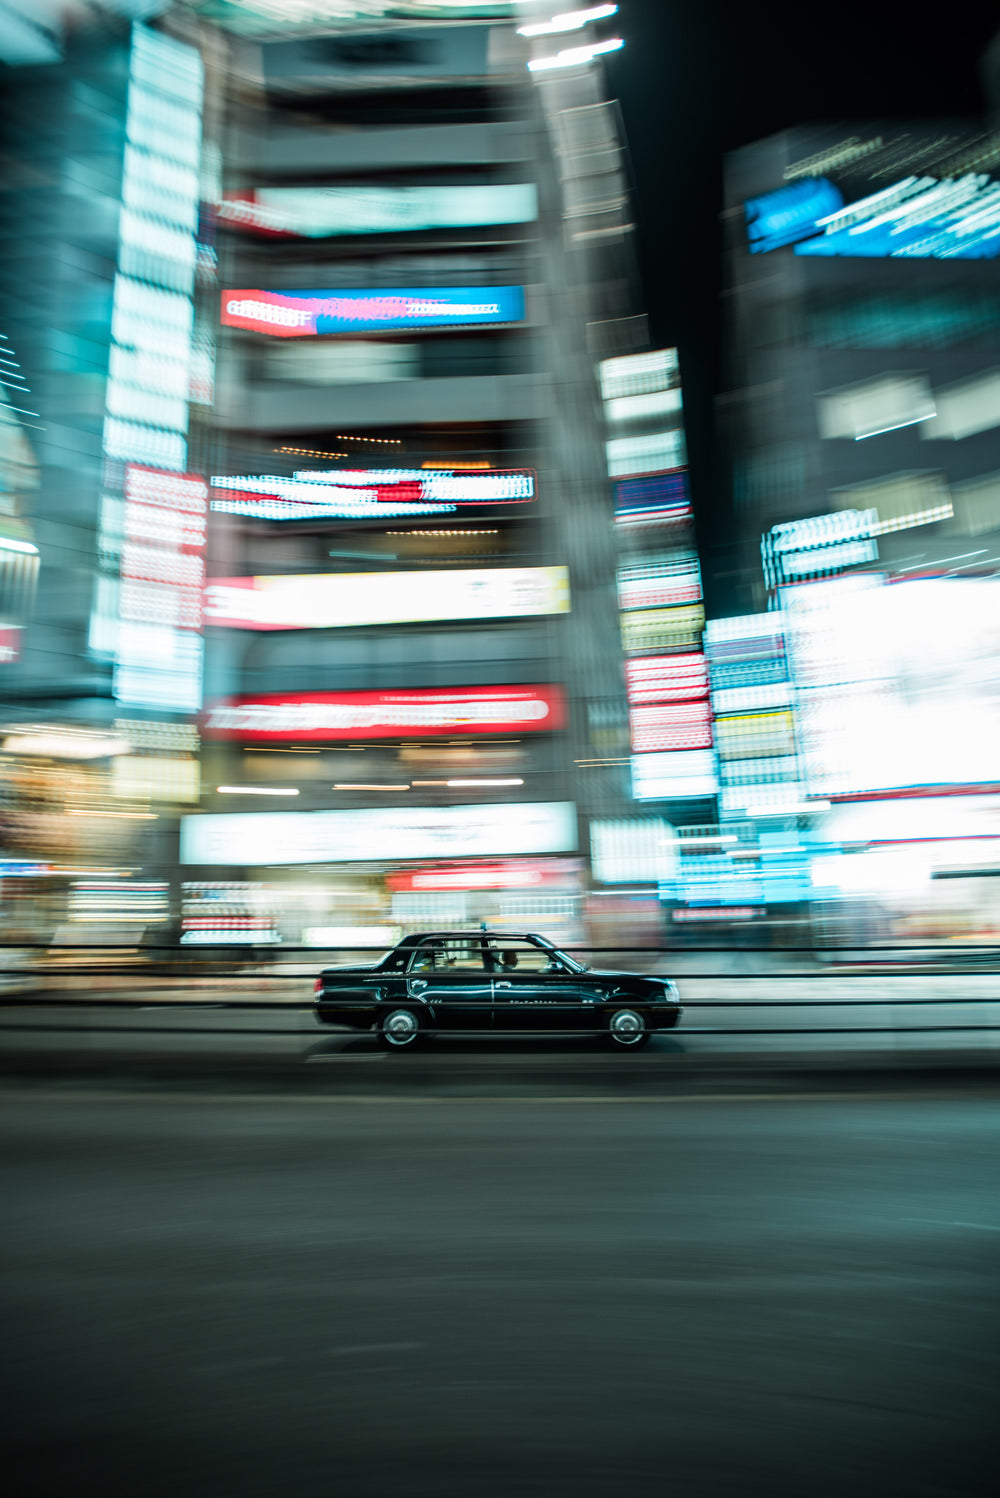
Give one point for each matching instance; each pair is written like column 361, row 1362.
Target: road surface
column 268, row 1292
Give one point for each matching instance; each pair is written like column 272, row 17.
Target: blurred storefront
column 88, row 827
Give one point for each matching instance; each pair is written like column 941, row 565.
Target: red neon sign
column 667, row 678
column 325, row 717
column 505, row 873
column 679, row 725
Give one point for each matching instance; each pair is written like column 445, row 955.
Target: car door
column 535, row 992
column 451, row 976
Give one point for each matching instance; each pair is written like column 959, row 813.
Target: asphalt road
column 264, row 1292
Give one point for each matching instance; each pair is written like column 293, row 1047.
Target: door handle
column 503, row 984
column 418, row 982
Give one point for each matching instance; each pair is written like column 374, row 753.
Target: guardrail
column 238, row 959
column 150, row 986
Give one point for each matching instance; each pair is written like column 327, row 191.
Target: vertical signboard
column 144, row 616
column 162, row 582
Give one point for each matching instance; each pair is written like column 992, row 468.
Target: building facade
column 863, row 422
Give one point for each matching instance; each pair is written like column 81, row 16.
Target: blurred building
column 347, row 571
column 99, row 669
column 413, row 642
column 863, row 423
column 862, row 413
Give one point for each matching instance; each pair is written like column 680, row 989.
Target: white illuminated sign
column 823, row 543
column 674, row 775
column 151, row 325
column 574, row 57
column 570, row 20
column 896, row 683
column 149, row 622
column 648, row 454
column 159, row 657
column 638, row 374
column 328, row 212
column 342, row 600
column 626, row 850
column 377, row 833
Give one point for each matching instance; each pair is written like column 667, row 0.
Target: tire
column 627, row 1030
column 399, row 1030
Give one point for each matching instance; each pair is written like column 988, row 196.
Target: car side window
column 449, row 957
column 465, row 956
column 522, row 957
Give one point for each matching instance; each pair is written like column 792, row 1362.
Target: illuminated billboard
column 666, row 678
column 677, row 774
column 663, row 629
column 633, row 456
column 345, row 599
column 790, row 213
column 896, row 683
column 643, row 587
column 508, row 873
column 328, row 716
column 624, row 850
column 378, row 833
column 362, row 494
column 332, row 212
column 159, row 654
column 657, row 499
column 303, row 314
column 674, row 725
column 919, row 217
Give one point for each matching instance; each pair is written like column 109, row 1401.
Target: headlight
column 672, row 991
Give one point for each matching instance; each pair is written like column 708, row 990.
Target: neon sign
column 329, row 716
column 348, row 599
column 301, row 314
column 378, row 494
column 160, row 601
column 373, row 833
column 327, row 212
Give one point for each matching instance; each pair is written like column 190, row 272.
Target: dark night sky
column 697, row 78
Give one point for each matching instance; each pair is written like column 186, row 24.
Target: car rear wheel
column 627, row 1030
column 398, row 1028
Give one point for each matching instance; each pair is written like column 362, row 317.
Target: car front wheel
column 627, row 1030
column 398, row 1028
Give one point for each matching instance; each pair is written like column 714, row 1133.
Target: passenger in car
column 429, row 957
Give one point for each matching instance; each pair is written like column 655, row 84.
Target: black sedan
column 457, row 980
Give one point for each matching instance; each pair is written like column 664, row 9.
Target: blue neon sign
column 789, row 214
column 298, row 314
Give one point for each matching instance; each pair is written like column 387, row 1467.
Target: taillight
column 317, row 988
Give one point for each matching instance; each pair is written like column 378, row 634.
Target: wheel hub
column 400, row 1027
